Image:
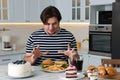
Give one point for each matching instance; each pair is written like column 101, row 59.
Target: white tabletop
column 37, row 74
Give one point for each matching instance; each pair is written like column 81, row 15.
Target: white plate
column 22, row 77
column 53, row 71
column 79, row 76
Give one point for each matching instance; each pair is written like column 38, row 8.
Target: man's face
column 52, row 26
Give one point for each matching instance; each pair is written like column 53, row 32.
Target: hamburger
column 46, row 63
column 61, row 63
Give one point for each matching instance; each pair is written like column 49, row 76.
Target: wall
column 20, row 32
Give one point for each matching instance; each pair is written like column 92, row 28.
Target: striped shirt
column 51, row 44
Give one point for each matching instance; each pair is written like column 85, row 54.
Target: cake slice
column 71, row 72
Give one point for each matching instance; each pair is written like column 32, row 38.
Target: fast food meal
column 61, row 63
column 49, row 65
column 46, row 63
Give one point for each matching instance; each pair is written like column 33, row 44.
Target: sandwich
column 61, row 63
column 46, row 63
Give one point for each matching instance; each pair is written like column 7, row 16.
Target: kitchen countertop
column 2, row 52
column 38, row 74
column 11, row 52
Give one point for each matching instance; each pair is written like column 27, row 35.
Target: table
column 38, row 74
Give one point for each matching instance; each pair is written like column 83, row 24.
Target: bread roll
column 47, row 62
column 60, row 62
column 102, row 71
column 111, row 71
column 101, row 67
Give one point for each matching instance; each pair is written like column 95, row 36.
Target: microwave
column 104, row 17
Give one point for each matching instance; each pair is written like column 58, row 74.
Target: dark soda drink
column 78, row 64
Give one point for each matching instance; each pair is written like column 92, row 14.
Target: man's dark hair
column 49, row 12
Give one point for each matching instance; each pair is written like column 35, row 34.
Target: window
column 76, row 8
column 80, row 10
column 3, row 10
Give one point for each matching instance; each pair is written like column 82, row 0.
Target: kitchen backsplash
column 20, row 32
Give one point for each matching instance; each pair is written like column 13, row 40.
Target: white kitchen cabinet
column 33, row 9
column 97, row 5
column 25, row 11
column 17, row 11
column 14, row 12
column 65, row 8
column 11, row 57
column 101, row 2
column 6, row 10
column 73, row 10
column 43, row 4
column 80, row 10
column 29, row 10
column 32, row 13
column 3, row 10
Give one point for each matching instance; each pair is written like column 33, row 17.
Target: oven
column 100, row 40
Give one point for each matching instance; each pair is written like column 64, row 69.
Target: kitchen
column 18, row 24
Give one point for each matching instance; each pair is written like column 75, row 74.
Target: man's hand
column 71, row 53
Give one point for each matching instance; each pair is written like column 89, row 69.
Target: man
column 51, row 41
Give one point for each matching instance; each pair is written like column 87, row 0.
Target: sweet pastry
column 91, row 67
column 92, row 72
column 111, row 71
column 101, row 70
column 106, row 71
column 71, row 72
column 19, row 68
column 101, row 67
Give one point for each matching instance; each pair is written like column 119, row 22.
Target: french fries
column 54, row 68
